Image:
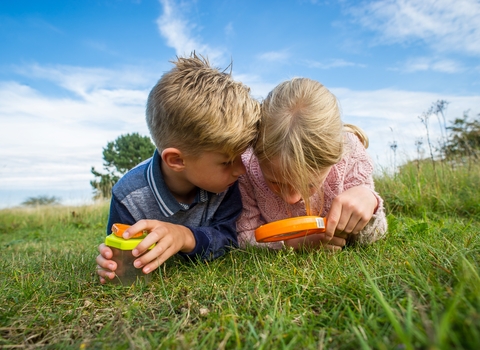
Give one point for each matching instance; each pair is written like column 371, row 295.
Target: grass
column 417, row 289
column 440, row 189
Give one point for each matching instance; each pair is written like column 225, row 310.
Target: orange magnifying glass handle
column 290, row 228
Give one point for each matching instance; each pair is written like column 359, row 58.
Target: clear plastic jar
column 126, row 273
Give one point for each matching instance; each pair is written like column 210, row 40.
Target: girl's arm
column 358, row 209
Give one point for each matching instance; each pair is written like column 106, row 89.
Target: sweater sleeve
column 359, row 172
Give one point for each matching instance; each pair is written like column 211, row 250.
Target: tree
column 41, row 200
column 120, row 156
column 464, row 138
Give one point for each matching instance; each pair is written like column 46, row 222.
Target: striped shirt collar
column 166, row 201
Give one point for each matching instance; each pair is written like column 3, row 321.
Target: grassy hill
column 418, row 288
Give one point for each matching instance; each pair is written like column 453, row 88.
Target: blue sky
column 75, row 74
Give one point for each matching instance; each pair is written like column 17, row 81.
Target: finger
column 153, row 254
column 349, row 218
column 351, row 224
column 360, row 226
column 332, row 248
column 159, row 259
column 337, row 242
column 139, row 226
column 313, row 240
column 104, row 274
column 105, row 251
column 358, row 223
column 341, row 234
column 333, row 217
column 154, row 237
column 106, row 263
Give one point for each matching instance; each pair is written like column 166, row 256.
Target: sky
column 75, row 75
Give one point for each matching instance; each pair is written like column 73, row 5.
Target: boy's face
column 213, row 171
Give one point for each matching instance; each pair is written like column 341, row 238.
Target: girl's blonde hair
column 301, row 128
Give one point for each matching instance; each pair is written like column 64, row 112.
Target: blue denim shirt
column 142, row 194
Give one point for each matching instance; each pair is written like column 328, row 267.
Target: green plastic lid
column 121, row 243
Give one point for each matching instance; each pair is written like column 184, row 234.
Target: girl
column 307, row 162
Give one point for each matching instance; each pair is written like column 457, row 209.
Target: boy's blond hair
column 301, row 127
column 197, row 108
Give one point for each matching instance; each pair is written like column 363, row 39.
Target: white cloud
column 274, row 56
column 177, row 30
column 419, row 64
column 446, row 25
column 52, row 142
column 335, row 63
column 82, row 81
column 229, row 30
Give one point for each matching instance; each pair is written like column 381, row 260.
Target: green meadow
column 417, row 289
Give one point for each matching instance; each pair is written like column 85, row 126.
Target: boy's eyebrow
column 225, row 157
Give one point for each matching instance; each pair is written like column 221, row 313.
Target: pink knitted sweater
column 261, row 205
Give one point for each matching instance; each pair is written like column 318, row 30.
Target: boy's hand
column 105, row 267
column 351, row 211
column 169, row 239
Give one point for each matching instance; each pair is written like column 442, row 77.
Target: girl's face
column 272, row 171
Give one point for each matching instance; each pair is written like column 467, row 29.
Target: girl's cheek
column 274, row 188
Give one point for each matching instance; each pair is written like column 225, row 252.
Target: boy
column 186, row 196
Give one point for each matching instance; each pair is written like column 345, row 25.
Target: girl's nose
column 291, row 197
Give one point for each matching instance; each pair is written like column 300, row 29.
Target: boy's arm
column 216, row 239
column 118, row 214
column 206, row 243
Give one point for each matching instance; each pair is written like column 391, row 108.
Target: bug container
column 126, row 274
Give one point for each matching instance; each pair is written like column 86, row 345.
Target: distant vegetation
column 41, row 200
column 445, row 183
column 460, row 141
column 120, row 156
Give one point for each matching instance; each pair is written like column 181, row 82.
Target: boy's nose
column 238, row 167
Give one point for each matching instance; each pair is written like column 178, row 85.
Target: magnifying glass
column 296, row 227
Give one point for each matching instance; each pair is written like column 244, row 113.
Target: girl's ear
column 173, row 158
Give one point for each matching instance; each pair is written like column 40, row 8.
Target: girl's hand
column 351, row 211
column 319, row 240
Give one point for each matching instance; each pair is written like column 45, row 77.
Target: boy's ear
column 173, row 158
